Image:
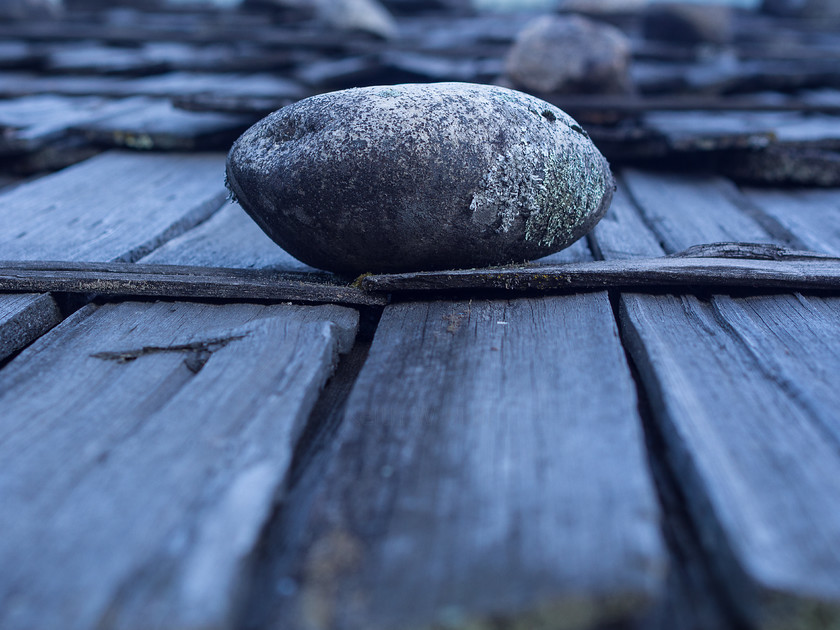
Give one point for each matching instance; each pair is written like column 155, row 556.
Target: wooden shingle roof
column 199, row 431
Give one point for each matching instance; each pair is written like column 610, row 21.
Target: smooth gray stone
column 420, row 176
column 570, row 54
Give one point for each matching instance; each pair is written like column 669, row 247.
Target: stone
column 366, row 16
column 687, row 23
column 569, row 54
column 420, row 176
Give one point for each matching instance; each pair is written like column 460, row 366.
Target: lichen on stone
column 571, row 189
column 552, row 192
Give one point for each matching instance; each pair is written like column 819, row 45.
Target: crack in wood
column 200, row 351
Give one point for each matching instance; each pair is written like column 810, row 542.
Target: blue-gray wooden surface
column 662, row 461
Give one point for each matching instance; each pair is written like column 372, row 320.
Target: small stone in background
column 367, row 16
column 24, row 9
column 803, row 8
column 570, row 54
column 686, row 23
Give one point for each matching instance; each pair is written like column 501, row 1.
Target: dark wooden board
column 93, row 58
column 781, row 165
column 19, row 54
column 173, row 281
column 31, row 123
column 598, row 108
column 741, row 391
column 143, row 447
column 704, row 130
column 683, row 274
column 266, row 85
column 489, row 472
column 724, row 75
column 170, row 84
column 143, row 27
column 157, row 125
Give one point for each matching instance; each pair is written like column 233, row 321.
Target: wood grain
column 24, row 318
column 683, row 273
column 811, row 215
column 159, row 436
column 31, row 123
column 742, row 393
column 117, row 206
column 489, row 471
column 230, row 238
column 157, row 125
column 172, row 281
column 143, row 446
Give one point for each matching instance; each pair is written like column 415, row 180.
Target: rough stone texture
column 803, row 8
column 569, row 54
column 685, row 23
column 420, row 176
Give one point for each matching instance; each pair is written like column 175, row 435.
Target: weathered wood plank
column 117, row 206
column 688, row 273
column 24, row 318
column 30, row 123
column 686, row 130
column 683, row 273
column 742, row 392
column 172, row 281
column 489, row 471
column 230, row 238
column 754, row 458
column 622, row 233
column 611, row 104
column 576, row 252
column 93, row 58
column 782, row 165
column 114, row 207
column 155, row 124
column 813, row 216
column 170, row 84
column 686, row 210
column 143, row 446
